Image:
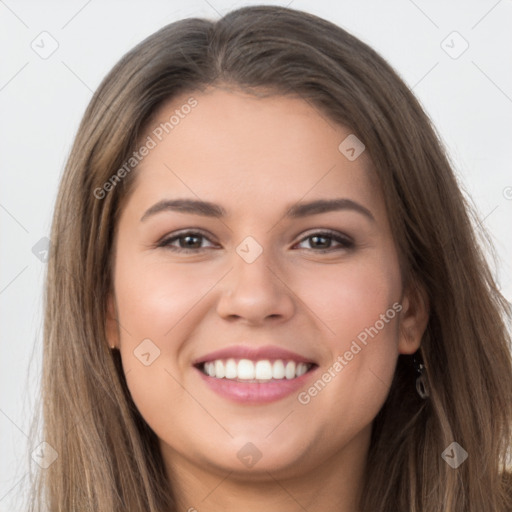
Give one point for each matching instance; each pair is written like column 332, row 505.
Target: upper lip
column 253, row 353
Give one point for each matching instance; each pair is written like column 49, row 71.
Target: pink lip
column 253, row 353
column 255, row 392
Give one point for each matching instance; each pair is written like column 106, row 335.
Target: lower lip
column 255, row 392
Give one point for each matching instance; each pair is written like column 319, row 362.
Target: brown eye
column 187, row 241
column 323, row 241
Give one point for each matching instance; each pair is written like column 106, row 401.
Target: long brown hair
column 108, row 457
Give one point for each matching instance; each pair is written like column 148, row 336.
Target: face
column 259, row 332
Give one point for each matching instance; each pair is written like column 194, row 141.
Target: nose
column 256, row 292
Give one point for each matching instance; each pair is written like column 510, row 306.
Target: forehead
column 243, row 149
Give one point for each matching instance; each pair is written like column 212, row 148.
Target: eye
column 187, row 241
column 321, row 241
column 191, row 241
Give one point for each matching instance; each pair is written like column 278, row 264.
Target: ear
column 112, row 325
column 413, row 319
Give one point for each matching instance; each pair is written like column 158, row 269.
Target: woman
column 203, row 352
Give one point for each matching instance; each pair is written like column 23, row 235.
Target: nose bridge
column 254, row 289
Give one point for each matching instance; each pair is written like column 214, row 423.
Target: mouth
column 254, row 375
column 249, row 371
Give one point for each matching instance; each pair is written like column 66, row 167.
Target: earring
column 421, row 385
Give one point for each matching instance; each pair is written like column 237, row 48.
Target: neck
column 333, row 486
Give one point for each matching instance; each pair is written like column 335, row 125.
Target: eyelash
column 345, row 241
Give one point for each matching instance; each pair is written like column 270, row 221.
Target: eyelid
column 185, row 231
column 325, row 231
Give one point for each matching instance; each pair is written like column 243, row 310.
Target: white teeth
column 263, row 370
column 231, row 369
column 245, row 369
column 210, row 369
column 289, row 371
column 219, row 369
column 302, row 368
column 278, row 369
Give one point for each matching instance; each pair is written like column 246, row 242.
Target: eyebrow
column 299, row 210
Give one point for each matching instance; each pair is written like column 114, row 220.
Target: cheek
column 155, row 308
column 153, row 298
column 359, row 308
column 351, row 298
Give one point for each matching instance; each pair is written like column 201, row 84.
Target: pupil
column 189, row 238
column 316, row 238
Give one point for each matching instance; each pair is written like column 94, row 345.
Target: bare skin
column 257, row 157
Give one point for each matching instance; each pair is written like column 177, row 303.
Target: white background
column 469, row 98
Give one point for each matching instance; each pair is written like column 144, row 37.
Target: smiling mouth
column 260, row 371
